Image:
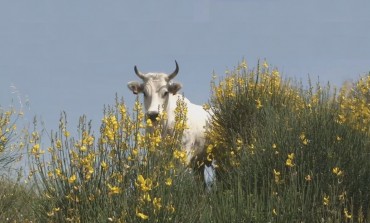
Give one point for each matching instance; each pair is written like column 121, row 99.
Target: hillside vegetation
column 283, row 152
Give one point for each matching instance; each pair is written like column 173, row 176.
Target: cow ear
column 135, row 87
column 174, row 87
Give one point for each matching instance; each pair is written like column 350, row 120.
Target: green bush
column 15, row 198
column 9, row 147
column 283, row 152
column 126, row 174
column 286, row 148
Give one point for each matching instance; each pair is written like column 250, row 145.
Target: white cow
column 160, row 93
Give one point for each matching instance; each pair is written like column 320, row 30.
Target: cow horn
column 171, row 76
column 138, row 73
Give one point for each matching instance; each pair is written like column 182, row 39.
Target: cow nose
column 152, row 115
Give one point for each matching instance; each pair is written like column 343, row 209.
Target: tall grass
column 283, row 153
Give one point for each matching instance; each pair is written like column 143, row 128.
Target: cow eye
column 165, row 94
column 144, row 93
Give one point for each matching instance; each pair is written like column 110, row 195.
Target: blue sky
column 74, row 56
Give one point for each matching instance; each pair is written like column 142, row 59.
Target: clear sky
column 75, row 55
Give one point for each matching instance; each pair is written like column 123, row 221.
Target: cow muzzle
column 152, row 115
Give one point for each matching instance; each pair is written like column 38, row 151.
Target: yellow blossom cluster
column 155, row 139
column 8, row 119
column 181, row 112
column 90, row 169
column 290, row 160
column 250, row 92
column 354, row 101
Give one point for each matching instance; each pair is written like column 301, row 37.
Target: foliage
column 9, row 143
column 126, row 174
column 301, row 154
column 283, row 153
column 14, row 196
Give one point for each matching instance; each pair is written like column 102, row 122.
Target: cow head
column 156, row 88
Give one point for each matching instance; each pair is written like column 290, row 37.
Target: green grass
column 284, row 153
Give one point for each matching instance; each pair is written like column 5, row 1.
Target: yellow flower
column 66, row 133
column 277, row 176
column 72, row 179
column 346, row 213
column 274, row 212
column 149, row 123
column 168, row 181
column 275, row 73
column 122, row 108
column 83, row 148
column 48, row 196
column 258, row 104
column 289, row 162
column 265, row 65
column 144, row 184
column 58, row 172
column 56, row 209
column 141, row 215
column 87, row 139
column 326, row 200
column 181, row 155
column 104, row 165
column 337, row 171
column 341, row 119
column 157, row 203
column 210, row 157
column 210, row 148
column 308, row 177
column 59, row 144
column 239, row 144
column 291, row 156
column 170, row 208
column 3, row 139
column 305, row 141
column 91, row 197
column 36, row 150
column 50, row 174
column 342, row 196
column 113, row 189
column 146, row 197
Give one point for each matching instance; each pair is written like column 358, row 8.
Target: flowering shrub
column 9, row 145
column 300, row 154
column 354, row 104
column 283, row 153
column 13, row 195
column 128, row 173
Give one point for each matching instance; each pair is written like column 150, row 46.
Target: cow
column 161, row 94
